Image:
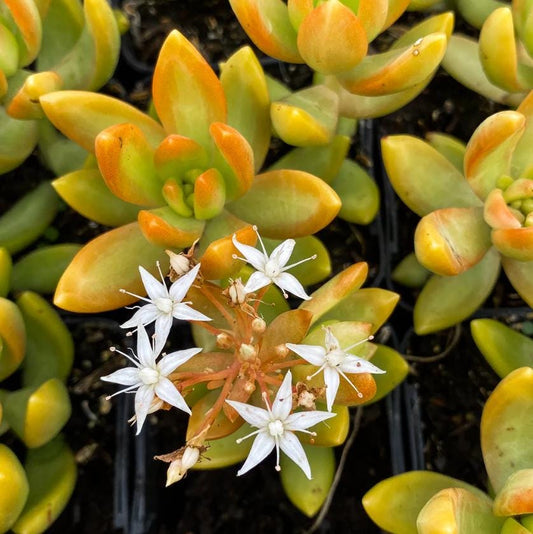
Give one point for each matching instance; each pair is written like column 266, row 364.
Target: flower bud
column 281, row 351
column 180, row 264
column 235, row 292
column 248, row 352
column 179, row 467
column 258, row 325
column 224, row 341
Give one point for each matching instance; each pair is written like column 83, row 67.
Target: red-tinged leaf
column 292, row 204
column 81, row 116
column 187, row 94
column 496, row 212
column 177, row 155
column 166, row 229
column 125, row 160
column 106, row 264
column 331, row 38
column 235, row 159
column 28, row 21
column 515, row 243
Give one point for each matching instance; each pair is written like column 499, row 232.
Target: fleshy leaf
column 331, row 434
column 246, row 90
column 515, row 243
column 512, row 526
column 6, row 268
column 358, row 192
column 475, row 13
column 14, row 488
column 450, row 241
column 504, row 348
column 106, row 264
column 396, row 70
column 373, row 16
column 177, row 154
column 86, row 192
column 505, row 431
column 28, row 21
column 520, row 274
column 410, row 273
column 458, row 510
column 309, row 495
column 515, row 498
column 439, row 23
column 187, row 94
column 13, row 336
column 490, row 149
column 81, row 116
column 209, row 194
column 394, row 503
column 269, row 27
column 295, row 204
column 17, row 140
column 450, row 147
column 447, row 300
column 331, row 38
column 407, row 160
column 396, row 368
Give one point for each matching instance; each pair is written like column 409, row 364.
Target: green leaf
column 396, row 368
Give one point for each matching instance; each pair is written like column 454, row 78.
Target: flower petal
column 154, row 288
column 331, row 379
column 354, row 364
column 167, row 391
column 282, row 406
column 145, row 315
column 314, row 354
column 179, row 288
column 127, row 377
column 143, row 402
column 304, row 420
column 255, row 258
column 261, row 448
column 163, row 324
column 256, row 281
column 331, row 341
column 251, row 414
column 145, row 354
column 186, row 313
column 171, row 361
column 282, row 252
column 292, row 447
column 290, row 283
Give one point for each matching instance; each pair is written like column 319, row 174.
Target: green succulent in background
column 424, row 502
column 474, row 220
column 71, row 45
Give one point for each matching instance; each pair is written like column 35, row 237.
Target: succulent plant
column 333, row 37
column 424, row 502
column 72, row 46
column 473, row 222
column 190, row 178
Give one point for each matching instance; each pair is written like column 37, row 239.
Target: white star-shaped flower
column 164, row 305
column 276, row 427
column 335, row 362
column 271, row 269
column 149, row 377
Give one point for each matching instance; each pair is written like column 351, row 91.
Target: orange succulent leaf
column 217, row 260
column 370, row 305
column 515, row 243
column 221, row 426
column 268, row 25
column 497, row 213
column 450, row 241
column 294, row 204
column 289, row 327
column 520, row 273
column 106, row 264
column 187, row 94
column 505, row 432
column 82, row 115
column 86, row 192
column 28, row 21
column 442, row 23
column 234, row 159
column 407, row 160
column 306, row 118
column 13, row 337
column 396, row 70
column 298, row 10
column 166, row 229
column 373, row 16
column 246, row 90
column 177, row 154
column 25, row 104
column 335, row 290
column 448, row 300
column 458, row 510
column 332, row 39
column 490, row 149
column 396, row 9
column 516, row 497
column 209, row 194
column 125, row 159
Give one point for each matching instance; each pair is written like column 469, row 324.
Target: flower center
column 275, row 428
column 335, row 357
column 149, row 376
column 272, row 269
column 164, row 305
